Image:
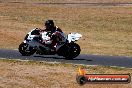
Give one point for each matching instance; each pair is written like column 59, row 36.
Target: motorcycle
column 68, row 48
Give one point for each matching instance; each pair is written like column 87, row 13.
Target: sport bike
column 33, row 44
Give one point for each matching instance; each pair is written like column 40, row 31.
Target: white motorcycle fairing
column 66, row 48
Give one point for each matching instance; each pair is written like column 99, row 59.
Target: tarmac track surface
column 120, row 61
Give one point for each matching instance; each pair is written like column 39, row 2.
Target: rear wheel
column 25, row 50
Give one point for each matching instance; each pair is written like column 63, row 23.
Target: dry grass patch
column 71, row 1
column 32, row 74
column 104, row 29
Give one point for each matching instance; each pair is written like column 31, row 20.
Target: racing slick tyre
column 70, row 51
column 24, row 51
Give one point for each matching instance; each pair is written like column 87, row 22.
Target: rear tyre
column 24, row 51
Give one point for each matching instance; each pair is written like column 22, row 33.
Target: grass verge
column 32, row 74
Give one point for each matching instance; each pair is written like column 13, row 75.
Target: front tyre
column 25, row 50
column 73, row 50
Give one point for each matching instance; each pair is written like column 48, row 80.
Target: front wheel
column 73, row 51
column 25, row 50
column 69, row 51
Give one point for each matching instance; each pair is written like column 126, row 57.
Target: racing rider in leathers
column 55, row 33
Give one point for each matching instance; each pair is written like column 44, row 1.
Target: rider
column 55, row 33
